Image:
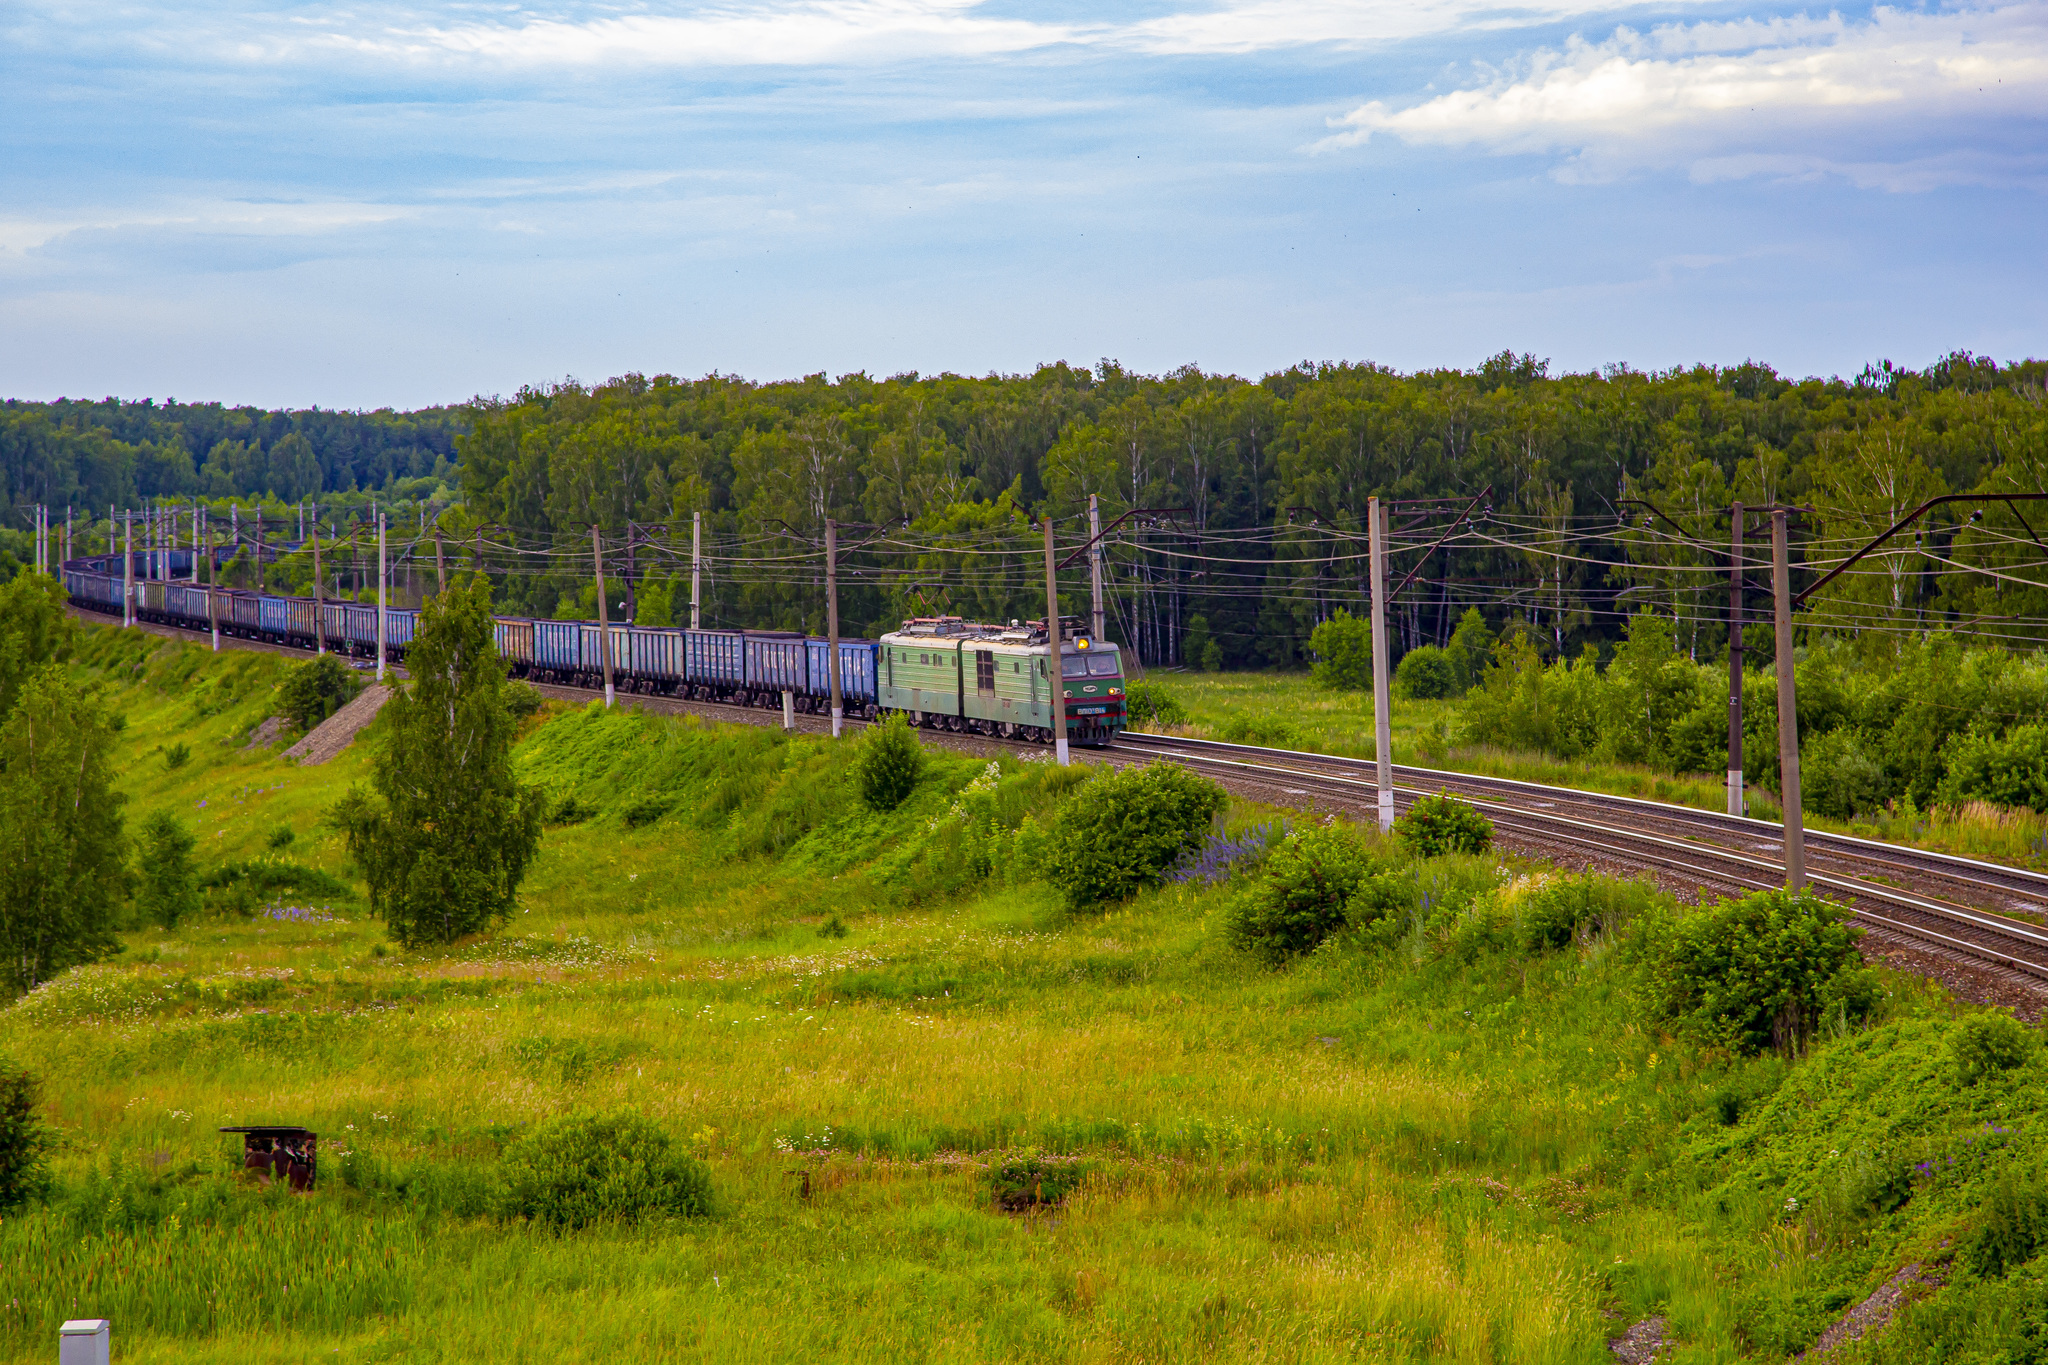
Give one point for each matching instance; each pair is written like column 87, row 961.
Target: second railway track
column 1957, row 906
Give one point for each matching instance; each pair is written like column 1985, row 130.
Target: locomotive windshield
column 1090, row 665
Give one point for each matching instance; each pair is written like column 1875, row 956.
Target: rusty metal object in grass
column 281, row 1152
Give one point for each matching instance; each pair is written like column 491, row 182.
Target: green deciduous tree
column 1343, row 650
column 447, row 834
column 61, row 838
column 168, row 887
column 24, row 1139
column 33, row 631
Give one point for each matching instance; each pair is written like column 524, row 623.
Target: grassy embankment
column 1289, row 709
column 1418, row 1154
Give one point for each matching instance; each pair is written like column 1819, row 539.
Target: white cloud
column 1902, row 101
column 223, row 217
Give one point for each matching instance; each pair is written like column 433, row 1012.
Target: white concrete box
column 83, row 1341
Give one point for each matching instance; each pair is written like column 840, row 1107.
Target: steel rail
column 1950, row 865
column 1575, row 831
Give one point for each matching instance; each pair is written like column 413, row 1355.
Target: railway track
column 1955, row 906
column 1981, row 910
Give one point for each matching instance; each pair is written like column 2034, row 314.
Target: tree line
column 1265, row 486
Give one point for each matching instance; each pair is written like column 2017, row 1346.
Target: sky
column 370, row 203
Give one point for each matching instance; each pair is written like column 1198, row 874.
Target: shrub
column 169, row 885
column 1123, row 830
column 2015, row 1227
column 1579, row 909
column 1989, row 1044
column 1300, row 897
column 644, row 812
column 523, row 699
column 280, row 838
column 177, row 756
column 1442, row 824
column 24, row 1140
column 1343, row 649
column 1758, row 972
column 566, row 809
column 1426, row 673
column 2012, row 771
column 1839, row 778
column 1151, row 704
column 890, row 763
column 1023, row 1181
column 315, row 690
column 573, row 1172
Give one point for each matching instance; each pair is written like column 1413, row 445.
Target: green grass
column 1381, row 1156
column 1290, row 710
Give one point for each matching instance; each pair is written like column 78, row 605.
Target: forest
column 1235, row 508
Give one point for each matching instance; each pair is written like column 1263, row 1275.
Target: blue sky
column 381, row 203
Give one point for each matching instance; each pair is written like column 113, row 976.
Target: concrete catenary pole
column 1735, row 572
column 1058, row 693
column 696, row 570
column 832, row 619
column 440, row 560
column 1788, row 709
column 1095, row 564
column 319, row 593
column 212, row 583
column 604, row 616
column 127, row 569
column 1382, row 717
column 381, row 636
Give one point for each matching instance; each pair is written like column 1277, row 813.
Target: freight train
column 940, row 673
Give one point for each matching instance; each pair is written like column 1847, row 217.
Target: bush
column 646, row 811
column 1839, row 778
column 2012, row 771
column 1124, row 829
column 2015, row 1227
column 1343, row 649
column 523, row 699
column 1426, row 673
column 1758, row 972
column 24, row 1141
column 1989, row 1044
column 177, row 756
column 1300, row 897
column 890, row 763
column 280, row 838
column 573, row 1172
column 1151, row 704
column 169, row 886
column 1442, row 824
column 315, row 690
column 566, row 809
column 1579, row 909
column 1023, row 1181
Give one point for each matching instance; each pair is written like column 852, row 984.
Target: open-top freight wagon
column 939, row 672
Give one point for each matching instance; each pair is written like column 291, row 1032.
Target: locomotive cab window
column 1073, row 665
column 1102, row 665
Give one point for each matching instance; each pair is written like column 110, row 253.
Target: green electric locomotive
column 945, row 673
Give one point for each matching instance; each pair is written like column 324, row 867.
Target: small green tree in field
column 1426, row 673
column 1442, row 824
column 169, row 888
column 891, row 760
column 62, row 846
column 1343, row 650
column 315, row 690
column 446, row 834
column 1123, row 830
column 24, row 1140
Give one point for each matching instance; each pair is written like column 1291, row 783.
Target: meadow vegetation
column 1300, row 1093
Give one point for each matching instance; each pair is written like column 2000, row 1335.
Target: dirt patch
column 1874, row 1312
column 269, row 732
column 1640, row 1344
column 334, row 734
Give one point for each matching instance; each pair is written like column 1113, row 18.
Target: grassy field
column 1289, row 709
column 1421, row 1154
